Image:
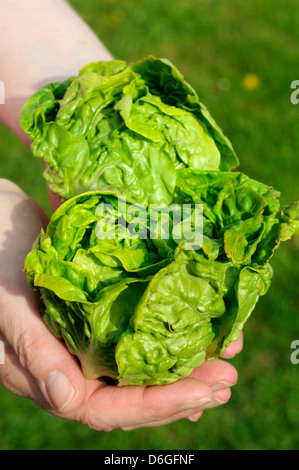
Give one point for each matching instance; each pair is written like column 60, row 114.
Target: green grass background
column 215, row 43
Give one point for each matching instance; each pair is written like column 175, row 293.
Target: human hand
column 38, row 365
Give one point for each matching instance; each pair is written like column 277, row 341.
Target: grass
column 215, row 45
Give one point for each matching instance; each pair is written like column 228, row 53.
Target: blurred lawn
column 216, row 44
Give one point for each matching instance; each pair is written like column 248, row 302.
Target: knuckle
column 106, row 429
column 94, row 422
column 11, row 376
column 97, row 426
column 26, row 347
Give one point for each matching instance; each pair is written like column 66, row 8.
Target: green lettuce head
column 144, row 308
column 123, row 127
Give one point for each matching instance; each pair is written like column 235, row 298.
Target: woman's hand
column 38, row 365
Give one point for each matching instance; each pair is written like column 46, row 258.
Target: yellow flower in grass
column 115, row 17
column 251, row 81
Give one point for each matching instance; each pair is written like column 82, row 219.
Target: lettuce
column 123, row 127
column 143, row 309
column 141, row 299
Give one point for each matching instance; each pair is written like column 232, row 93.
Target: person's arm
column 41, row 41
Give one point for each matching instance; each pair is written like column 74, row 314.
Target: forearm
column 41, row 41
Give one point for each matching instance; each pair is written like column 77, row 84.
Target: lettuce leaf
column 123, row 127
column 123, row 280
column 147, row 310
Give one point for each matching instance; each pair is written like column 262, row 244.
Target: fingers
column 106, row 407
column 51, row 371
column 131, row 407
column 47, row 374
column 17, row 380
column 217, row 374
column 37, row 365
column 37, row 375
column 220, row 376
column 33, row 353
column 219, row 398
column 234, row 348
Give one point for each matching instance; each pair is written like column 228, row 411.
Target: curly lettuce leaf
column 190, row 312
column 147, row 311
column 90, row 286
column 245, row 215
column 123, row 127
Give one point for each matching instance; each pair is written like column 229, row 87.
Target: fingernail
column 221, row 386
column 189, row 405
column 194, row 418
column 59, row 389
column 213, row 403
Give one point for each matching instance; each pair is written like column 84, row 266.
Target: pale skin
column 45, row 41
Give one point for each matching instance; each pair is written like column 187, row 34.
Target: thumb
column 42, row 358
column 50, row 369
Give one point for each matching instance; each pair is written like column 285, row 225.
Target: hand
column 38, row 366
